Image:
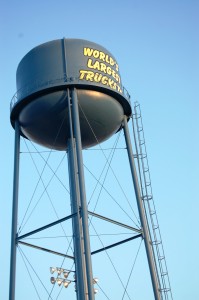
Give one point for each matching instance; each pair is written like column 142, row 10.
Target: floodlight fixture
column 52, row 280
column 59, row 271
column 95, row 280
column 59, row 281
column 52, row 270
column 66, row 273
column 66, row 283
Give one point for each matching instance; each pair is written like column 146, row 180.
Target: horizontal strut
column 114, row 222
column 116, row 244
column 45, row 227
column 46, row 250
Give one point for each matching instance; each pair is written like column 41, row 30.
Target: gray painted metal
column 78, row 204
column 82, row 193
column 82, row 289
column 44, row 227
column 14, row 213
column 114, row 222
column 45, row 120
column 77, row 224
column 43, row 76
column 117, row 244
column 46, row 250
column 146, row 236
column 66, row 61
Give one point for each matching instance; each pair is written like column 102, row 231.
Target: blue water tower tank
column 44, row 78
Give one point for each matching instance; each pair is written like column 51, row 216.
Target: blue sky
column 156, row 45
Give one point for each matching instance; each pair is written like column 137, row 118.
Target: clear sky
column 156, row 45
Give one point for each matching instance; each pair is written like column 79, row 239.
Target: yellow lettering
column 107, row 59
column 104, row 80
column 97, row 77
column 102, row 56
column 117, row 77
column 89, row 63
column 96, row 65
column 111, row 83
column 96, row 53
column 88, row 75
column 82, row 73
column 112, row 61
column 118, row 88
column 113, row 74
column 109, row 70
column 88, row 51
column 103, row 67
column 114, row 85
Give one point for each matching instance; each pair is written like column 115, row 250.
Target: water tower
column 70, row 97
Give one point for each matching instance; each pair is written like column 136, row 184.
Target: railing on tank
column 38, row 84
column 126, row 94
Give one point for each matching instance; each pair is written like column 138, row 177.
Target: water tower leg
column 81, row 282
column 13, row 252
column 142, row 216
column 82, row 192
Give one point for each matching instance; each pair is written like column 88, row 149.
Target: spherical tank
column 45, row 77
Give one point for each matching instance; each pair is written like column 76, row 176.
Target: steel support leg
column 81, row 282
column 13, row 252
column 149, row 251
column 75, row 127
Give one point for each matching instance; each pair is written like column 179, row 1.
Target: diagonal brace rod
column 116, row 244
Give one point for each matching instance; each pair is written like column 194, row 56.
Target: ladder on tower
column 149, row 205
